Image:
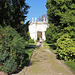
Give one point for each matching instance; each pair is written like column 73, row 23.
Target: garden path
column 44, row 62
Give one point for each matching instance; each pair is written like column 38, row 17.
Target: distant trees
column 61, row 17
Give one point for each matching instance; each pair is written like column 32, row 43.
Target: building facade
column 37, row 29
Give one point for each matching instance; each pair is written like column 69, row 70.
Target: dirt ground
column 44, row 62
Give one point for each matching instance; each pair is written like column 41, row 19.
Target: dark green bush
column 66, row 48
column 12, row 50
column 31, row 41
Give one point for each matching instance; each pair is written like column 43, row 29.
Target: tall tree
column 18, row 12
column 13, row 13
column 61, row 14
column 4, row 12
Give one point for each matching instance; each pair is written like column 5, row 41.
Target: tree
column 12, row 27
column 24, row 31
column 5, row 12
column 61, row 14
column 61, row 32
column 13, row 13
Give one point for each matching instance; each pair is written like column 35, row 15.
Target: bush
column 66, row 48
column 12, row 50
column 31, row 41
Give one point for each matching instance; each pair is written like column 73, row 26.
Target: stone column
column 44, row 19
column 35, row 31
column 43, row 35
column 35, row 19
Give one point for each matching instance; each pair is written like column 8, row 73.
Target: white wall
column 37, row 26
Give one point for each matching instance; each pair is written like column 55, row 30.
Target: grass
column 49, row 46
column 71, row 64
column 30, row 49
column 46, row 45
column 29, row 52
column 32, row 43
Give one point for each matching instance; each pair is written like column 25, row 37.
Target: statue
column 32, row 19
column 44, row 19
column 35, row 19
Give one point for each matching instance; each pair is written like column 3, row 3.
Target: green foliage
column 61, row 12
column 66, row 48
column 51, row 34
column 71, row 31
column 12, row 50
column 13, row 13
column 9, row 65
column 61, row 17
column 30, row 52
column 31, row 41
column 13, row 42
column 25, row 32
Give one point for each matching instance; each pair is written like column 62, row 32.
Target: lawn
column 49, row 46
column 30, row 52
column 71, row 65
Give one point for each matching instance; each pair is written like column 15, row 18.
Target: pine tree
column 13, row 13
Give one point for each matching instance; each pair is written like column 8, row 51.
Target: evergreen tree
column 13, row 13
column 5, row 12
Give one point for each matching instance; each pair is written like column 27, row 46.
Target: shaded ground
column 44, row 62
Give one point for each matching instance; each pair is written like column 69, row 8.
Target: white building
column 37, row 29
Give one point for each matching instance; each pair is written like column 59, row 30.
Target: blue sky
column 37, row 8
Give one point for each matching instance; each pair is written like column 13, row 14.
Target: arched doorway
column 39, row 35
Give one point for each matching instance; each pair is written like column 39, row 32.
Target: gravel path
column 44, row 62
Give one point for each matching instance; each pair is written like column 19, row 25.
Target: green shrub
column 31, row 41
column 12, row 50
column 66, row 48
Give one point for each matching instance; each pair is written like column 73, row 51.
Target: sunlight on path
column 44, row 62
